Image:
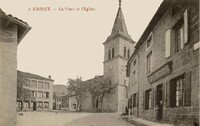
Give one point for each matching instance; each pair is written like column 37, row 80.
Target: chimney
column 49, row 76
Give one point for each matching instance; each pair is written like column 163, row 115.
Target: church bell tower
column 118, row 48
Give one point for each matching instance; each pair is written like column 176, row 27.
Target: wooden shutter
column 168, row 94
column 187, row 89
column 131, row 100
column 137, row 99
column 172, row 93
column 182, row 38
column 186, row 26
column 152, row 98
column 167, row 43
column 163, row 94
column 144, row 100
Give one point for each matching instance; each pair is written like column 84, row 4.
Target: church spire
column 119, row 24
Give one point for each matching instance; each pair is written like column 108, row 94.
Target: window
column 179, row 91
column 149, row 40
column 40, row 84
column 181, row 32
column 33, row 94
column 179, row 35
column 33, row 83
column 40, row 104
column 113, row 52
column 128, row 53
column 124, row 51
column 46, row 104
column 134, row 100
column 46, row 85
column 31, row 105
column 109, row 54
column 46, row 94
column 26, row 104
column 148, row 99
column 40, row 94
column 149, row 63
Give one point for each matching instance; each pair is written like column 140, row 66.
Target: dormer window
column 149, row 40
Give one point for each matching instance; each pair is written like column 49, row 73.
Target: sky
column 66, row 44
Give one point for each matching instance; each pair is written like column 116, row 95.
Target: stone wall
column 184, row 61
column 8, row 73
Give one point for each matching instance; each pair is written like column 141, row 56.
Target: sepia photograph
column 99, row 63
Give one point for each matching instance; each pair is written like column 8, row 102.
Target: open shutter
column 144, row 100
column 131, row 99
column 187, row 89
column 152, row 98
column 163, row 94
column 167, row 43
column 168, row 94
column 155, row 97
column 186, row 26
column 182, row 38
column 172, row 93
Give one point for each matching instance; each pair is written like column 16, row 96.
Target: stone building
column 164, row 68
column 60, row 97
column 12, row 31
column 117, row 50
column 41, row 89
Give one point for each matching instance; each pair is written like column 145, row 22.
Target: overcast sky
column 69, row 44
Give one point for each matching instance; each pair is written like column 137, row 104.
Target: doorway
column 159, row 102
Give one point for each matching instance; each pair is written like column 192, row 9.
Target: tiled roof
column 23, row 27
column 14, row 18
column 33, row 76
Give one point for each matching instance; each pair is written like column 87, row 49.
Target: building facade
column 41, row 90
column 60, row 97
column 12, row 31
column 117, row 50
column 164, row 68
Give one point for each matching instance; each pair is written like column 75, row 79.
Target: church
column 118, row 48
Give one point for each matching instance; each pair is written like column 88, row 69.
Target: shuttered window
column 148, row 99
column 178, row 91
column 181, row 32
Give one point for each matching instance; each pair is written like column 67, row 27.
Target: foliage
column 99, row 87
column 76, row 88
column 22, row 92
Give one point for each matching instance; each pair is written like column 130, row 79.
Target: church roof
column 119, row 24
column 119, row 28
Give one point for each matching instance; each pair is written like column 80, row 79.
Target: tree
column 99, row 87
column 76, row 89
column 22, row 92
